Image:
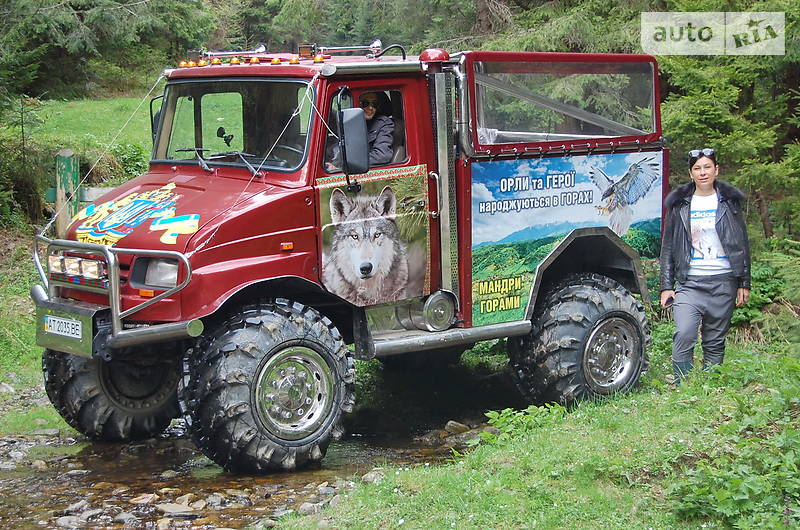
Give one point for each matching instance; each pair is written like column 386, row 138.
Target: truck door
column 375, row 233
column 554, row 143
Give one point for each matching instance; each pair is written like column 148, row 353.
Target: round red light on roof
column 434, row 55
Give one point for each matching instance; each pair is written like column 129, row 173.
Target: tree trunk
column 763, row 212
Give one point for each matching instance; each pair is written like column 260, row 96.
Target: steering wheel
column 298, row 152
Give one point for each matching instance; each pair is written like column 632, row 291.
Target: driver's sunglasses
column 706, row 151
column 365, row 104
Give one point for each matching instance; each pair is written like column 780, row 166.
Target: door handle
column 435, row 177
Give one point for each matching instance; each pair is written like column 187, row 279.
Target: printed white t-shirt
column 708, row 256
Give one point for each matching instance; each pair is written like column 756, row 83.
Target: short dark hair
column 697, row 154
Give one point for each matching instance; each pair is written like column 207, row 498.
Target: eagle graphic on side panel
column 619, row 196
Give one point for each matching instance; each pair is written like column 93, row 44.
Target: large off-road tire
column 122, row 399
column 589, row 339
column 266, row 389
column 430, row 359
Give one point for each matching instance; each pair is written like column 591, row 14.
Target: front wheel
column 123, row 399
column 268, row 387
column 589, row 340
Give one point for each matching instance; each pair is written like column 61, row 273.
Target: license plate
column 63, row 326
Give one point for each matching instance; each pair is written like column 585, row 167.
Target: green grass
column 611, row 464
column 20, row 357
column 94, row 121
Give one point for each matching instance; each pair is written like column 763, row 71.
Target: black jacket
column 676, row 245
column 380, row 135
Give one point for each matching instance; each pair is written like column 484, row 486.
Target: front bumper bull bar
column 47, row 302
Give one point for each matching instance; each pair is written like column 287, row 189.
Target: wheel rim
column 138, row 386
column 294, row 392
column 611, row 354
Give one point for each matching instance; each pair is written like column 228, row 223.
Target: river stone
column 144, row 498
column 215, row 499
column 282, row 512
column 236, row 493
column 308, row 508
column 88, row 514
column 74, row 473
column 77, row 507
column 327, row 490
column 373, row 477
column 69, row 521
column 164, row 524
column 7, row 466
column 47, row 432
column 454, row 427
column 168, row 474
column 5, row 388
column 267, row 523
column 171, row 508
column 121, row 489
column 336, row 499
column 199, row 505
column 102, row 485
column 126, row 518
column 186, row 499
column 39, row 464
column 16, row 455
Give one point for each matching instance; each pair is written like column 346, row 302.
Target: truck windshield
column 235, row 122
column 537, row 102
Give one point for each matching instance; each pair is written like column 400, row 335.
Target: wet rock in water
column 164, row 524
column 236, row 493
column 169, row 491
column 88, row 514
column 7, row 466
column 282, row 513
column 463, row 440
column 186, row 499
column 127, row 519
column 144, row 498
column 308, row 508
column 175, row 510
column 102, row 485
column 373, row 477
column 75, row 473
column 266, row 491
column 199, row 505
column 119, row 490
column 5, row 388
column 168, row 474
column 327, row 490
column 454, row 427
column 77, row 507
column 69, row 521
column 41, row 465
column 336, row 499
column 433, row 438
column 215, row 499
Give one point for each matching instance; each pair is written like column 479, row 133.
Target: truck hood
column 159, row 211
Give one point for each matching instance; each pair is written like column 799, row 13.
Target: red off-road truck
column 226, row 282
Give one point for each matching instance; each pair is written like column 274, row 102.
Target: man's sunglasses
column 707, row 151
column 365, row 104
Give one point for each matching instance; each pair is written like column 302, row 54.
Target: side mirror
column 353, row 141
column 155, row 117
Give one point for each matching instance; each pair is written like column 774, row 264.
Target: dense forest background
column 745, row 106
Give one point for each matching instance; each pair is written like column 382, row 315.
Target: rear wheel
column 268, row 387
column 589, row 340
column 122, row 399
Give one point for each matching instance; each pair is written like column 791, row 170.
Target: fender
column 595, row 249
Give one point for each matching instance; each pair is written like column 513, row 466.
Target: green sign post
column 67, row 199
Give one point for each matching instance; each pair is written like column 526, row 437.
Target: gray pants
column 706, row 300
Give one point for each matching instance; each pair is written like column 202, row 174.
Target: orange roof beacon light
column 191, row 64
column 276, row 60
column 182, row 64
column 235, row 60
column 319, row 58
column 202, row 62
column 216, row 60
column 294, row 60
column 254, row 60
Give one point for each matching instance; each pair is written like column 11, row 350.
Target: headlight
column 72, row 266
column 55, row 263
column 91, row 269
column 162, row 273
